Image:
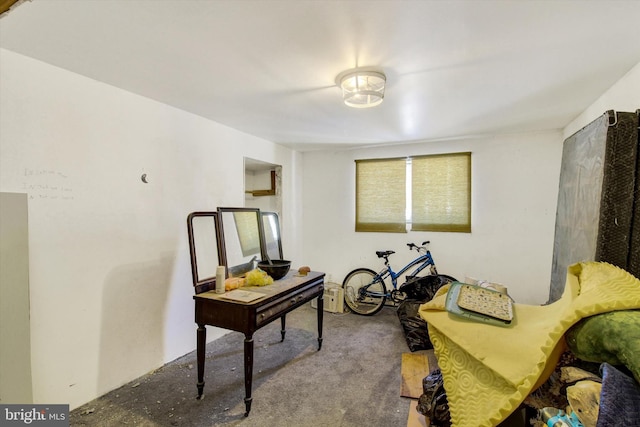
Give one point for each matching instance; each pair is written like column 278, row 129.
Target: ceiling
column 266, row 67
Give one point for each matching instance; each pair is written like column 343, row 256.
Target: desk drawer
column 277, row 308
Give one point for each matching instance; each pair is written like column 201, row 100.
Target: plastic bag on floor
column 425, row 287
column 414, row 327
column 433, row 401
column 418, row 290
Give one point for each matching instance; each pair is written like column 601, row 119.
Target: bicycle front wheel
column 362, row 294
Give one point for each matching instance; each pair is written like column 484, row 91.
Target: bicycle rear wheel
column 362, row 294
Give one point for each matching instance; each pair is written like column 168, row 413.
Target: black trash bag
column 425, row 287
column 414, row 327
column 433, row 401
column 418, row 290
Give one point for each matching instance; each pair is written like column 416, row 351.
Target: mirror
column 271, row 227
column 203, row 246
column 235, row 237
column 242, row 240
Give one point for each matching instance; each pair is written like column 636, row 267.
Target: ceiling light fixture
column 362, row 88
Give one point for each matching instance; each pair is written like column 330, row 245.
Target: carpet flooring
column 354, row 380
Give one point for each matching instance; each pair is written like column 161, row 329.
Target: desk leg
column 283, row 322
column 248, row 371
column 200, row 352
column 320, row 314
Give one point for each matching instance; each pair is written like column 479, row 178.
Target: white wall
column 624, row 95
column 514, row 195
column 111, row 291
column 514, row 184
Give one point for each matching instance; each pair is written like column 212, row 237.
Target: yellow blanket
column 489, row 370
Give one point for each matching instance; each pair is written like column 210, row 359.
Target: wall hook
column 144, row 178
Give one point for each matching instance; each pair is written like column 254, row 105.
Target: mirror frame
column 221, row 236
column 208, row 283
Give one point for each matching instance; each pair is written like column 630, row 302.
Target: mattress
column 598, row 212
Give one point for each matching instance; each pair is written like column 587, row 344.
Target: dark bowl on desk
column 278, row 268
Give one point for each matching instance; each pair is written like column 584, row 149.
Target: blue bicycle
column 366, row 291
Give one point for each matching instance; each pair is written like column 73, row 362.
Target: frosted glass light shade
column 363, row 89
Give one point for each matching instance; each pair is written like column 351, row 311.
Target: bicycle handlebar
column 413, row 245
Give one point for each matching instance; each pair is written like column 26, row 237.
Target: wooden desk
column 284, row 295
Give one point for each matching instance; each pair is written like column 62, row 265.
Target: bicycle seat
column 382, row 254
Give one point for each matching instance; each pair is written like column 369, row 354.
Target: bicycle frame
column 365, row 291
column 424, row 260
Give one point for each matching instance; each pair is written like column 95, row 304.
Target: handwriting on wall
column 47, row 184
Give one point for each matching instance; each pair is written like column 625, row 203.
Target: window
column 422, row 193
column 381, row 195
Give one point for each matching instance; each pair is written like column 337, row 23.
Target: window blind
column 381, row 195
column 441, row 193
